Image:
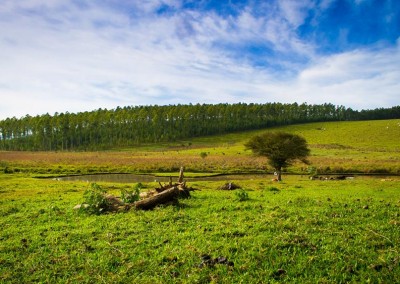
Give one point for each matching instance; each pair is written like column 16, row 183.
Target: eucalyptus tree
column 126, row 126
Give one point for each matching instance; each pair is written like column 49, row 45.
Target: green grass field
column 296, row 231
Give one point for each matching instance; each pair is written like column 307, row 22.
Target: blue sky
column 81, row 55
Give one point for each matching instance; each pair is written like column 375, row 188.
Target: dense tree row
column 129, row 126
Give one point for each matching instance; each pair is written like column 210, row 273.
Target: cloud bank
column 59, row 56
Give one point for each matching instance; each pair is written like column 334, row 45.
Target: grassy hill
column 336, row 147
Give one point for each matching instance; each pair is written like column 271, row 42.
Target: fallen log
column 163, row 197
column 167, row 193
column 181, row 184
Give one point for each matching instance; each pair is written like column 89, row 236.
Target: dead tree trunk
column 180, row 179
column 166, row 193
column 163, row 197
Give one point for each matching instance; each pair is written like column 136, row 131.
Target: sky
column 82, row 55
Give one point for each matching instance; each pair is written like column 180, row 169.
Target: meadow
column 366, row 147
column 295, row 231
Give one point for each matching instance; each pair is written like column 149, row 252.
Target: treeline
column 128, row 126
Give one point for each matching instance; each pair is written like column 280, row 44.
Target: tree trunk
column 161, row 198
column 180, row 178
column 279, row 172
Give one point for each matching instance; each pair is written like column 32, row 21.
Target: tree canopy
column 133, row 125
column 280, row 148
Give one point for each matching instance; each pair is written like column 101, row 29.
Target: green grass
column 336, row 147
column 298, row 231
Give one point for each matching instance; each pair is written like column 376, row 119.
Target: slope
column 336, row 147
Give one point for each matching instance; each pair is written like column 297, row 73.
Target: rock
column 229, row 186
column 207, row 260
column 280, row 272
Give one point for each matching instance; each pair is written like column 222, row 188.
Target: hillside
column 132, row 126
column 357, row 146
column 336, row 147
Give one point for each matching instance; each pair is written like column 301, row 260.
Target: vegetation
column 95, row 200
column 368, row 147
column 129, row 126
column 242, row 195
column 131, row 195
column 282, row 149
column 297, row 231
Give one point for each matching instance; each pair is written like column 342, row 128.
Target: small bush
column 130, row 196
column 95, row 200
column 313, row 171
column 242, row 195
column 203, row 155
column 8, row 170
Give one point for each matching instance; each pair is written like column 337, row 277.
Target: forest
column 134, row 125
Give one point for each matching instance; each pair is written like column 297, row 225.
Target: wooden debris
column 180, row 179
column 163, row 197
column 167, row 193
column 115, row 204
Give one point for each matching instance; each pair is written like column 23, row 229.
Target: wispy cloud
column 359, row 78
column 60, row 56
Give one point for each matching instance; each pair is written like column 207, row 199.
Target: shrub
column 130, row 196
column 8, row 170
column 313, row 171
column 242, row 195
column 95, row 201
column 203, row 155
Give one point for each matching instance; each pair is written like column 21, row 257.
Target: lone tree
column 281, row 149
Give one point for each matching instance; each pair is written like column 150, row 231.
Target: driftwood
column 180, row 184
column 167, row 193
column 180, row 179
column 163, row 197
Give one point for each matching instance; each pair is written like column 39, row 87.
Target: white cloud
column 360, row 79
column 295, row 12
column 324, row 4
column 59, row 57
